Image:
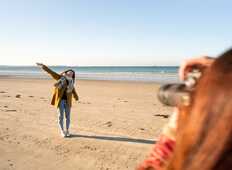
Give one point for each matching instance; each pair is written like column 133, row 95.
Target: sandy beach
column 113, row 126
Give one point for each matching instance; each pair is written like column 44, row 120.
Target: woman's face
column 69, row 74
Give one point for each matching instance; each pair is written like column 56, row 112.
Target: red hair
column 204, row 134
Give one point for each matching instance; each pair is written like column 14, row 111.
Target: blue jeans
column 64, row 108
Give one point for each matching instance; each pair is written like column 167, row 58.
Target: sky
column 112, row 32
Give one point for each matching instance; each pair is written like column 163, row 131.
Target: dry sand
column 113, row 125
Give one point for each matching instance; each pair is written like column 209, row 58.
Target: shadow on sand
column 114, row 138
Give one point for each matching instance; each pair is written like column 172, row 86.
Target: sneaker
column 62, row 133
column 67, row 133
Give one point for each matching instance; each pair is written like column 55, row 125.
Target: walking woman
column 64, row 90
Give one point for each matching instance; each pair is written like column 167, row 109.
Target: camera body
column 179, row 94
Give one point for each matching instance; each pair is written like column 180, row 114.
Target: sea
column 158, row 74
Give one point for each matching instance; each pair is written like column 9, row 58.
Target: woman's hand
column 199, row 63
column 77, row 98
column 39, row 64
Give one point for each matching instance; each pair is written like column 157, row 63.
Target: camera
column 179, row 94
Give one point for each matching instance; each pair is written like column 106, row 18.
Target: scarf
column 65, row 82
column 70, row 85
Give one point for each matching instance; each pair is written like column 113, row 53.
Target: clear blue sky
column 112, row 32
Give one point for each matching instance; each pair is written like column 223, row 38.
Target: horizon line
column 57, row 65
column 14, row 65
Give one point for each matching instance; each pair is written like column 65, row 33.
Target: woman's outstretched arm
column 54, row 75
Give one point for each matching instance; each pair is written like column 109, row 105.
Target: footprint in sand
column 84, row 102
column 10, row 163
column 161, row 115
column 61, row 150
column 3, row 92
column 108, row 124
column 141, row 129
column 90, row 148
column 121, row 100
column 10, row 110
column 18, row 96
column 31, row 96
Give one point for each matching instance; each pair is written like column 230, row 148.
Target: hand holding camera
column 180, row 94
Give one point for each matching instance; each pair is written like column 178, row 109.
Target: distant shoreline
column 91, row 66
column 157, row 74
column 15, row 78
column 21, row 77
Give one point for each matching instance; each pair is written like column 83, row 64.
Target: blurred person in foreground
column 199, row 136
